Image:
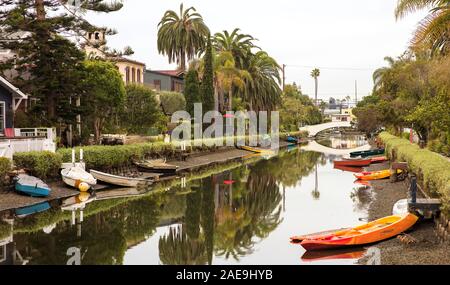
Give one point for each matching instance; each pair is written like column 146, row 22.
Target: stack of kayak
column 369, row 233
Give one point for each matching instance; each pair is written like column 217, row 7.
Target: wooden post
column 413, row 189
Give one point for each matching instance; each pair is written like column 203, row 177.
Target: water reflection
column 225, row 217
column 343, row 141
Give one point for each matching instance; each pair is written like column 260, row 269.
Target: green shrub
column 43, row 164
column 5, row 166
column 5, row 230
column 405, row 136
column 172, row 102
column 432, row 168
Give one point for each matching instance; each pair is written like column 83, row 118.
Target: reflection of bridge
column 315, row 129
column 314, row 146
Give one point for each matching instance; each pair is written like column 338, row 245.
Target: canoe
column 369, row 233
column 374, row 175
column 257, row 150
column 76, row 175
column 33, row 209
column 31, row 186
column 349, row 168
column 353, row 162
column 367, row 153
column 378, row 159
column 156, row 166
column 120, row 180
column 299, row 239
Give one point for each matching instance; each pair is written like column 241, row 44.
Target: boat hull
column 359, row 162
column 369, row 233
column 32, row 186
column 374, row 175
column 75, row 182
column 367, row 153
column 119, row 180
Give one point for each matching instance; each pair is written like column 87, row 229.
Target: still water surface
column 242, row 216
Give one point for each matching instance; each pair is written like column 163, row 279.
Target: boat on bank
column 257, row 150
column 353, row 162
column 369, row 233
column 120, row 180
column 31, row 186
column 367, row 153
column 77, row 177
column 374, row 175
column 156, row 166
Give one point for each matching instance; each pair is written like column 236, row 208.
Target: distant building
column 10, row 100
column 132, row 71
column 165, row 80
column 346, row 115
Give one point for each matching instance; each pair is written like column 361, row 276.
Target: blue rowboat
column 33, row 209
column 32, row 186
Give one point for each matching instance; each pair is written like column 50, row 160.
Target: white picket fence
column 25, row 140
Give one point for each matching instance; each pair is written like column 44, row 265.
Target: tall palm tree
column 434, row 30
column 315, row 74
column 380, row 73
column 240, row 45
column 181, row 36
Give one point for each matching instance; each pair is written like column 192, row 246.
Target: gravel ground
column 426, row 251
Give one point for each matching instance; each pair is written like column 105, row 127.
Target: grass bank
column 432, row 169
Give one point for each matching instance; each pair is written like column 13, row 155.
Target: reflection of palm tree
column 315, row 193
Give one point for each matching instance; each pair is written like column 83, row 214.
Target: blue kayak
column 32, row 186
column 30, row 210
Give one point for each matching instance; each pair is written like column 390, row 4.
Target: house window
column 97, row 36
column 127, row 74
column 139, row 76
column 157, row 84
column 2, row 118
column 133, row 75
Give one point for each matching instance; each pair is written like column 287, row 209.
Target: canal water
column 245, row 215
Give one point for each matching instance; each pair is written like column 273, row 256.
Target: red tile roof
column 175, row 73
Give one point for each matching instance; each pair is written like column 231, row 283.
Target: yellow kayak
column 257, row 150
column 375, row 175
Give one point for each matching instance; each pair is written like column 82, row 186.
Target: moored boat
column 257, row 150
column 31, row 186
column 367, row 153
column 120, row 180
column 369, row 233
column 374, row 175
column 156, row 166
column 79, row 178
column 378, row 159
column 353, row 162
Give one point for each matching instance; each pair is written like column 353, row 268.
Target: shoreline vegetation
column 432, row 169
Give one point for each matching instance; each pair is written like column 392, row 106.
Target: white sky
column 344, row 34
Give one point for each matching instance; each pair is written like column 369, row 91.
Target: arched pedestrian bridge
column 315, row 129
column 314, row 146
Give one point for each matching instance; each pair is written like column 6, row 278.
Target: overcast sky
column 351, row 34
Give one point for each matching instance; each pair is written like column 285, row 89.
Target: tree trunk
column 316, row 85
column 40, row 9
column 182, row 60
column 97, row 129
column 216, row 99
column 230, row 98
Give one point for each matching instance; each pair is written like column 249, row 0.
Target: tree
column 315, row 74
column 239, row 45
column 191, row 90
column 181, row 36
column 380, row 73
column 51, row 74
column 172, row 102
column 105, row 92
column 141, row 111
column 207, row 87
column 433, row 31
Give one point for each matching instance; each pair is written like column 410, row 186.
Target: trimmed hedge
column 5, row 166
column 432, row 168
column 43, row 164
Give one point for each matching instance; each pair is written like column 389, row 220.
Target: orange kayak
column 372, row 232
column 374, row 175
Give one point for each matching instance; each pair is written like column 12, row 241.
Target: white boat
column 120, row 180
column 76, row 175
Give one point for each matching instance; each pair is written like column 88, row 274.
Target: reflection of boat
column 372, row 232
column 32, row 186
column 355, row 253
column 295, row 140
column 363, row 182
column 120, row 180
column 156, row 165
column 77, row 202
column 374, row 175
column 367, row 153
column 33, row 209
column 75, row 176
column 353, row 162
column 349, row 168
column 119, row 193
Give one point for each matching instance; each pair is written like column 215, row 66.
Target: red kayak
column 353, row 162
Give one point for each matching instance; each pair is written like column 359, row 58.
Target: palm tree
column 380, row 73
column 240, row 45
column 315, row 74
column 433, row 32
column 181, row 36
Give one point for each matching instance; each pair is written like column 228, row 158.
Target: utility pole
column 284, row 76
column 356, row 92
